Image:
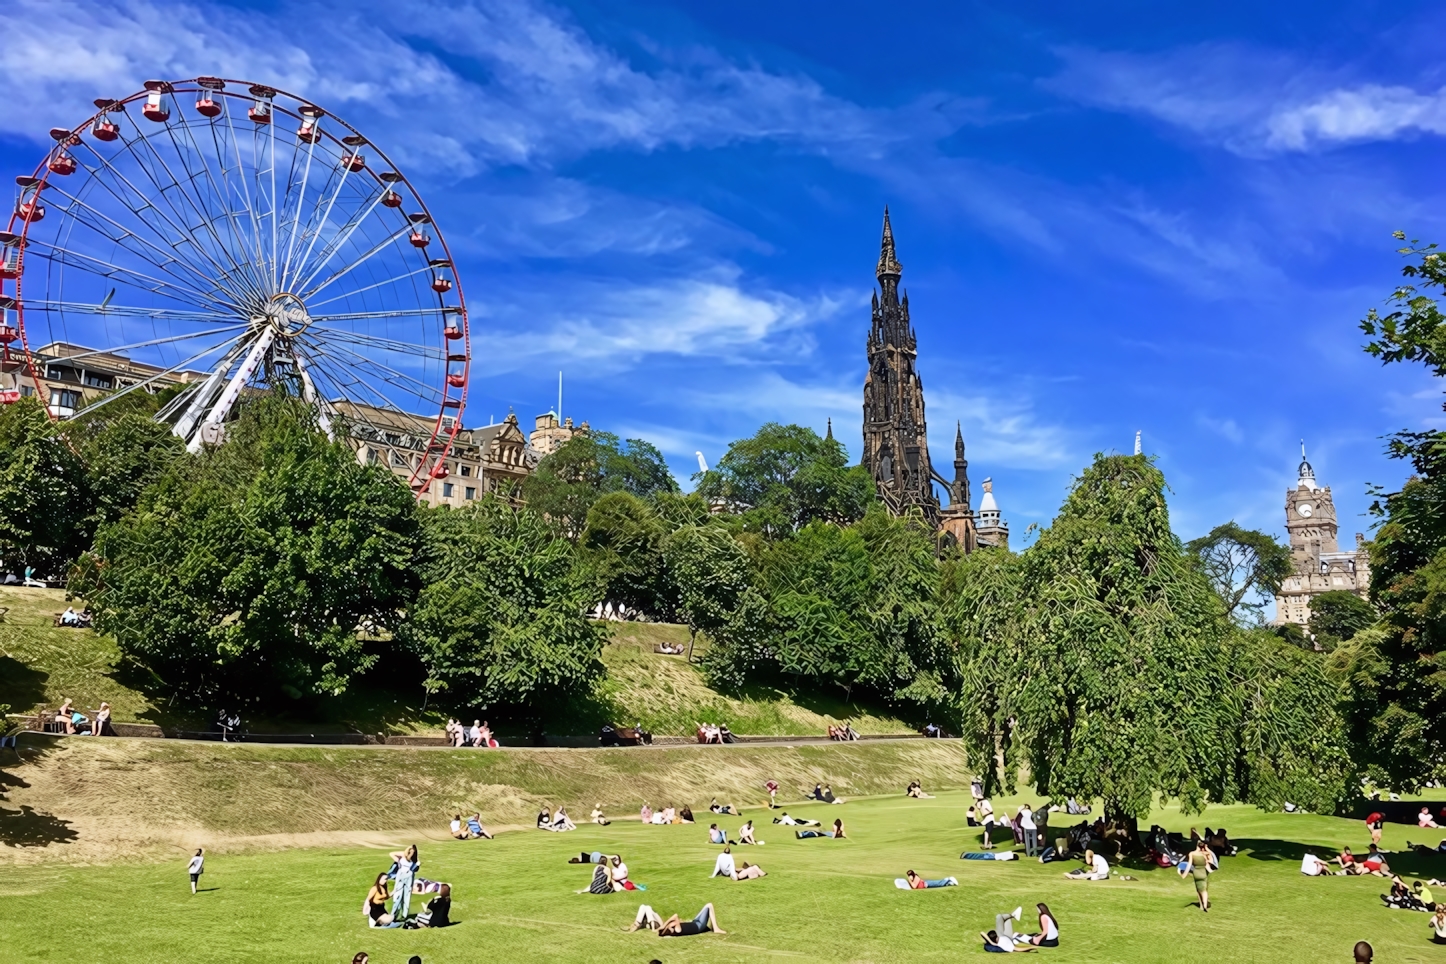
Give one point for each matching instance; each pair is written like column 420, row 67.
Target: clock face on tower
column 1304, row 509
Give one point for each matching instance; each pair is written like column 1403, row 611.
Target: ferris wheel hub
column 285, row 314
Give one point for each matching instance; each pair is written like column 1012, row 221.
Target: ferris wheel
column 222, row 238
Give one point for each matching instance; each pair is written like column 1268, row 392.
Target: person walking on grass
column 1198, row 867
column 197, row 868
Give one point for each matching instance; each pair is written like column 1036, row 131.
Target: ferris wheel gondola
column 230, row 237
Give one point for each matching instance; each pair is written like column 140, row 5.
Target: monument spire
column 889, row 266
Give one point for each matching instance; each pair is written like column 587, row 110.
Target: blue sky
column 1112, row 217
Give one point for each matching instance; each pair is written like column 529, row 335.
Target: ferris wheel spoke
column 343, row 235
column 164, row 373
column 300, row 203
column 179, row 233
column 315, row 226
column 129, row 311
column 241, row 179
column 153, row 342
column 126, row 276
column 421, row 311
column 425, row 269
column 350, row 387
column 401, row 347
column 236, row 269
column 408, row 383
column 343, row 272
column 157, row 257
column 247, row 257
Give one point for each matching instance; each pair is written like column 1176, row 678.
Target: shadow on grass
column 21, row 686
column 28, row 827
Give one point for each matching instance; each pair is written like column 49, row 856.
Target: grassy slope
column 99, row 799
column 822, row 901
column 41, row 663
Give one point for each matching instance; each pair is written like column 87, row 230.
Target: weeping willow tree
column 1103, row 662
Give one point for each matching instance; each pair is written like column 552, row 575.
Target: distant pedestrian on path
column 196, row 868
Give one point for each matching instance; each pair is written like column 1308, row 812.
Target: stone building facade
column 548, row 434
column 896, row 432
column 1319, row 564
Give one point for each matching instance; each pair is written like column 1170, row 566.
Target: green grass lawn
column 822, row 901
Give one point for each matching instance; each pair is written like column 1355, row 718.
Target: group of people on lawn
column 398, row 884
column 72, row 722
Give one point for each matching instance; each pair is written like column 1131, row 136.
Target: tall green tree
column 1394, row 678
column 1123, row 700
column 568, row 481
column 1245, row 566
column 45, row 491
column 1336, row 617
column 123, row 456
column 714, row 582
column 273, row 566
column 786, row 476
column 623, row 542
column 502, row 617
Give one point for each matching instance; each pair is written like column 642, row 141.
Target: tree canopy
column 47, row 495
column 1336, row 617
column 786, row 476
column 1245, row 566
column 587, row 466
column 274, row 565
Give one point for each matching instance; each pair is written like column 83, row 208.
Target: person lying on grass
column 1375, row 864
column 749, row 872
column 593, row 857
column 995, row 944
column 745, row 835
column 724, row 808
column 1421, row 848
column 706, row 920
column 1347, row 860
column 475, row 830
column 837, row 833
column 919, row 883
column 1096, row 868
column 788, row 821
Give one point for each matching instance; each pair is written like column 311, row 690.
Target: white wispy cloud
column 614, row 326
column 1250, row 101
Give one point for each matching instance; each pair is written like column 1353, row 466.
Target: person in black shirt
column 439, row 909
column 707, row 920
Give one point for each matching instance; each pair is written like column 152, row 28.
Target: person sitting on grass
column 620, row 875
column 1048, row 935
column 724, row 865
column 916, row 791
column 1347, row 860
column 64, row 717
column 459, row 832
column 837, row 833
column 724, row 808
column 919, row 883
column 1438, row 925
column 1424, row 819
column 375, row 906
column 1400, row 897
column 598, row 816
column 1096, row 868
column 995, row 944
column 475, row 830
column 745, row 835
column 1313, row 866
column 544, row 818
column 561, row 822
column 685, row 815
column 717, row 835
column 102, row 721
column 645, row 813
column 602, row 878
column 439, row 909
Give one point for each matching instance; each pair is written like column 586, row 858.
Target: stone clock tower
column 1319, row 565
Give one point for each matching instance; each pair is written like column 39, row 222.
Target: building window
column 466, row 471
column 447, row 490
column 26, row 391
column 471, row 493
column 97, row 381
column 399, row 460
column 65, row 398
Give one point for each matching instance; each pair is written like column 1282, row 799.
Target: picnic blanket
column 989, row 855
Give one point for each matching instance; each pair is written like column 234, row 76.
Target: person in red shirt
column 1374, row 863
column 772, row 787
column 1373, row 824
